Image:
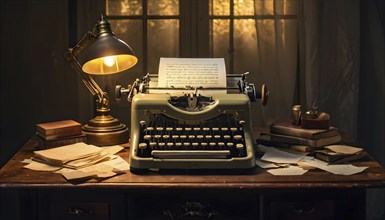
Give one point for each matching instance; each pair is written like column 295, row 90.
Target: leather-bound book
column 285, row 127
column 59, row 129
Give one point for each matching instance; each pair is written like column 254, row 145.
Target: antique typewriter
column 191, row 131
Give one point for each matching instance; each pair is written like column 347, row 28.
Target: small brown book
column 47, row 144
column 287, row 128
column 59, row 129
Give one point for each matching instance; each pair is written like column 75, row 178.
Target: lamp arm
column 88, row 81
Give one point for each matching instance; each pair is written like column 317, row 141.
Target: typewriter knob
column 264, row 94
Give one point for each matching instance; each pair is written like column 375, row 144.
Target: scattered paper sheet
column 340, row 169
column 27, row 161
column 344, row 149
column 287, row 171
column 264, row 164
column 34, row 165
column 263, row 148
column 101, row 170
column 64, row 154
column 277, row 156
column 112, row 149
column 191, row 72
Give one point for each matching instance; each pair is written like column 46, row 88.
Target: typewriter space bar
column 193, row 154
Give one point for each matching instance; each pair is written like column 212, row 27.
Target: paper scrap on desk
column 64, row 154
column 101, row 170
column 340, row 169
column 263, row 148
column 264, row 164
column 78, row 175
column 287, row 171
column 277, row 156
column 27, row 160
column 37, row 166
column 344, row 149
column 191, row 72
column 112, row 149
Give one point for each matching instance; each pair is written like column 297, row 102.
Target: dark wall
column 37, row 85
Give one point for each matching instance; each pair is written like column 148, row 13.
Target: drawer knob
column 80, row 212
column 304, row 210
column 192, row 209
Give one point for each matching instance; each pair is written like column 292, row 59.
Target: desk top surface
column 13, row 175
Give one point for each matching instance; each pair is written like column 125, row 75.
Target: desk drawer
column 193, row 206
column 79, row 210
column 84, row 204
column 315, row 210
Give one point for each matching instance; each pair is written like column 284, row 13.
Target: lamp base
column 105, row 130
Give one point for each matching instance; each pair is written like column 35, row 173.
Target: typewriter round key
column 157, row 136
column 230, row 145
column 238, row 137
column 226, row 137
column 169, row 129
column 166, row 136
column 208, row 136
column 183, row 136
column 150, row 130
column 170, row 144
column 186, row 144
column 191, row 136
column 147, row 137
column 239, row 146
column 195, row 144
column 233, row 129
column 175, row 136
column 197, row 129
column 161, row 145
column 217, row 136
column 152, row 145
column 159, row 128
column 204, row 145
column 199, row 136
column 142, row 146
column 178, row 145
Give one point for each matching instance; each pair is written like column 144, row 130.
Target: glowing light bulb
column 109, row 61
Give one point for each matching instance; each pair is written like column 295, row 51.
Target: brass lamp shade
column 107, row 54
column 99, row 52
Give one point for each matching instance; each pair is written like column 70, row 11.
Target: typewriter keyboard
column 164, row 137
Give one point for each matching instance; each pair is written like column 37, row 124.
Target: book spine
column 293, row 140
column 290, row 132
column 58, row 133
column 57, row 143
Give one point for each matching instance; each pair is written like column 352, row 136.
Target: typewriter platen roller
column 191, row 131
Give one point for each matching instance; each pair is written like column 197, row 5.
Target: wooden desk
column 259, row 195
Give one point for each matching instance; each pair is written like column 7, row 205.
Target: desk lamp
column 99, row 52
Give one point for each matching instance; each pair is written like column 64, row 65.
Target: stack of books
column 285, row 134
column 59, row 133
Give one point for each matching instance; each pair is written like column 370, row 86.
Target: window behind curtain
column 152, row 27
column 256, row 36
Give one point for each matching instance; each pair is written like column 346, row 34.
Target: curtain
column 371, row 111
column 277, row 56
column 341, row 70
column 329, row 64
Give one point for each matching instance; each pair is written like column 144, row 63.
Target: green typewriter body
column 191, row 132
